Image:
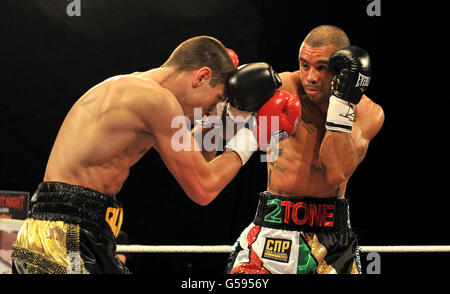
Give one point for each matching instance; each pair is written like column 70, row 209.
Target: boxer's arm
column 208, row 155
column 201, row 180
column 212, row 129
column 199, row 132
column 339, row 155
column 341, row 152
column 352, row 119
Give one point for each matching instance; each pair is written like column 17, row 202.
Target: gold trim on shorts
column 318, row 251
column 49, row 246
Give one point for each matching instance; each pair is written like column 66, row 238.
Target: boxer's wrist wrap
column 243, row 143
column 238, row 116
column 340, row 115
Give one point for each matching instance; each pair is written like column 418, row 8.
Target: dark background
column 398, row 196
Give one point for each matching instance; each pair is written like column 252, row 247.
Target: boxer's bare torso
column 114, row 124
column 303, row 160
column 102, row 137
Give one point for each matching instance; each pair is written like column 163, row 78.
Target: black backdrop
column 397, row 195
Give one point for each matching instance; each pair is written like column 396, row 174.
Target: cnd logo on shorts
column 74, row 8
column 374, row 8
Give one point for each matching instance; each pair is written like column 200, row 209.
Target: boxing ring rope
column 174, row 248
column 228, row 248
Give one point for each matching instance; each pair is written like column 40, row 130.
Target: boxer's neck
column 175, row 81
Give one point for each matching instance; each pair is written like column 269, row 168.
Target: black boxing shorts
column 291, row 235
column 69, row 229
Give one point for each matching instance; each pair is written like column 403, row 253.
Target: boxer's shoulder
column 133, row 85
column 291, row 82
column 143, row 93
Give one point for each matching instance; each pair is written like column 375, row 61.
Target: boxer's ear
column 201, row 77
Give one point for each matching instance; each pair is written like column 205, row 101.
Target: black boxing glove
column 251, row 85
column 352, row 68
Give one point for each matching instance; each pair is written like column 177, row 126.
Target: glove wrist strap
column 243, row 143
column 340, row 115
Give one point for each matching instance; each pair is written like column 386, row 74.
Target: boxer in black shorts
column 69, row 229
column 74, row 216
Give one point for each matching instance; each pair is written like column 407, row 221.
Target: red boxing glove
column 277, row 119
column 234, row 57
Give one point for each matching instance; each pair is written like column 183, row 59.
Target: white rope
column 228, row 248
column 406, row 248
column 174, row 248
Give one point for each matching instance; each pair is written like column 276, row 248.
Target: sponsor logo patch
column 363, row 81
column 277, row 249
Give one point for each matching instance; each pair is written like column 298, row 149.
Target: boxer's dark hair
column 327, row 35
column 201, row 51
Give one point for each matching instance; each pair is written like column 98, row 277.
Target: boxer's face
column 314, row 74
column 202, row 96
column 212, row 96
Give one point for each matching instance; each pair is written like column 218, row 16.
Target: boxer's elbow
column 334, row 178
column 203, row 199
column 203, row 194
column 336, row 172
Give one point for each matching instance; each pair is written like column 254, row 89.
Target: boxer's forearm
column 338, row 156
column 199, row 132
column 224, row 168
column 204, row 180
column 208, row 155
column 220, row 171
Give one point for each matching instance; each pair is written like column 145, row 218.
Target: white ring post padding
column 228, row 248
